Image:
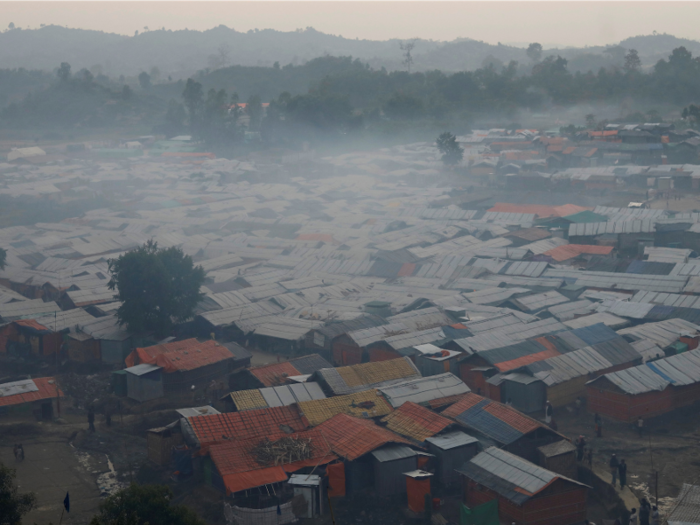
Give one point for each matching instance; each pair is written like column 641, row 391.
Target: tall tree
column 144, row 80
column 534, row 51
column 3, row 258
column 632, row 61
column 254, row 110
column 194, row 102
column 144, row 505
column 64, row 72
column 407, row 48
column 157, row 287
column 452, row 154
column 13, row 505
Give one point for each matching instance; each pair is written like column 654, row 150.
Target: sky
column 552, row 23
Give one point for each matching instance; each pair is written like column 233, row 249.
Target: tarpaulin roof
column 36, row 390
column 275, row 374
column 569, row 251
column 180, row 355
column 415, row 422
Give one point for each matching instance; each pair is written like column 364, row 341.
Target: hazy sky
column 551, row 22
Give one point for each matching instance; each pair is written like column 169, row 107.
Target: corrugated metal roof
column 510, row 476
column 567, row 311
column 355, row 378
column 607, row 319
column 424, row 389
column 415, row 422
column 686, row 509
column 365, row 404
column 452, row 440
column 663, row 333
column 537, row 302
column 392, row 453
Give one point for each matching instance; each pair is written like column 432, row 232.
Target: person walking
column 614, row 464
column 598, row 425
column 548, row 412
column 91, row 420
column 655, row 516
column 640, row 425
column 644, row 512
column 634, row 519
column 622, row 470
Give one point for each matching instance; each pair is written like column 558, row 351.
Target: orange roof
column 569, row 150
column 181, row 355
column 350, row 437
column 237, row 426
column 406, row 270
column 526, row 360
column 241, row 471
column 275, row 374
column 325, row 237
column 31, row 323
column 540, row 210
column 569, row 251
column 607, row 133
column 415, row 422
column 47, row 390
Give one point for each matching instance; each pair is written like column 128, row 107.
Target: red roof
column 239, row 426
column 569, row 251
column 240, row 470
column 540, row 210
column 415, row 422
column 351, row 437
column 180, row 355
column 406, row 270
column 275, row 374
column 47, row 389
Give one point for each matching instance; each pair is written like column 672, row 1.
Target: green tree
column 157, row 287
column 126, row 92
column 3, row 258
column 13, row 505
column 692, row 115
column 403, row 106
column 254, row 110
column 590, row 121
column 64, row 72
column 194, row 102
column 144, row 505
column 452, row 154
column 534, row 51
column 632, row 61
column 144, row 80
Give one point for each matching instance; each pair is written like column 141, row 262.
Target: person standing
column 614, row 464
column 91, row 420
column 577, row 405
column 548, row 412
column 634, row 518
column 655, row 516
column 622, row 470
column 598, row 425
column 580, row 447
column 640, row 425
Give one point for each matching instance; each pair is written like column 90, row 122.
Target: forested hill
column 180, row 54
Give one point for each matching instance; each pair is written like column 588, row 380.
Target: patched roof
column 499, row 422
column 181, row 355
column 28, row 391
column 348, row 379
column 366, row 404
